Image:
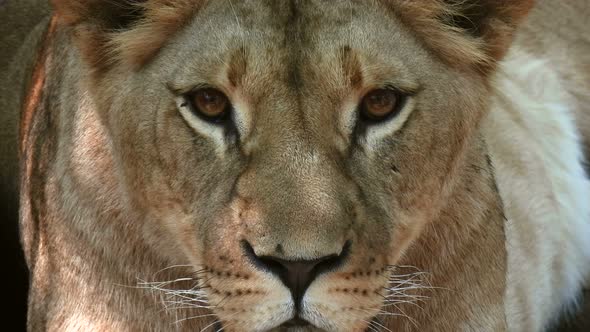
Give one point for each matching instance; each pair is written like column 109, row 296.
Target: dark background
column 17, row 19
column 14, row 271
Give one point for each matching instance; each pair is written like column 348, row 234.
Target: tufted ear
column 105, row 13
column 128, row 32
column 494, row 21
column 476, row 30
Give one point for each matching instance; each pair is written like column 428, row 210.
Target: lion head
column 294, row 153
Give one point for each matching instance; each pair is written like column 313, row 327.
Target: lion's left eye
column 209, row 104
column 381, row 104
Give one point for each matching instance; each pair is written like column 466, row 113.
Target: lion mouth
column 296, row 322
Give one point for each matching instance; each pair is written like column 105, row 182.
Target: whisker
column 413, row 321
column 211, row 325
column 222, row 327
column 173, row 299
column 370, row 326
column 402, row 302
column 171, row 267
column 379, row 325
column 402, row 283
column 194, row 317
column 218, row 321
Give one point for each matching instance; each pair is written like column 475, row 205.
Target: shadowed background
column 17, row 18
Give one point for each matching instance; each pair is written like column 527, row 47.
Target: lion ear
column 127, row 32
column 95, row 23
column 107, row 14
column 494, row 22
column 476, row 33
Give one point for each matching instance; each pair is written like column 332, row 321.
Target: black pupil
column 210, row 103
column 212, row 98
column 381, row 100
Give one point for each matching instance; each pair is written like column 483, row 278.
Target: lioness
column 302, row 165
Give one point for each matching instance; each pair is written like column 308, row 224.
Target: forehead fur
column 475, row 33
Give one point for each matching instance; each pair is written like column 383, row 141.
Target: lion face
column 292, row 154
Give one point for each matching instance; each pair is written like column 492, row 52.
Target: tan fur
column 135, row 212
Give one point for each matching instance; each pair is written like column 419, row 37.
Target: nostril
column 262, row 262
column 296, row 275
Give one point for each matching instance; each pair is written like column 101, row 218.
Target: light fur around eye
column 201, row 126
column 377, row 132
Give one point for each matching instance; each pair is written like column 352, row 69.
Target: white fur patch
column 376, row 132
column 215, row 133
column 537, row 155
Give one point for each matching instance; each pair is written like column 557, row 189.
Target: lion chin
column 300, row 165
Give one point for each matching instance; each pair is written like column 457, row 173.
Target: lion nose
column 296, row 275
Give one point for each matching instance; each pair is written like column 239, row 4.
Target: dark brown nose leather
column 297, row 275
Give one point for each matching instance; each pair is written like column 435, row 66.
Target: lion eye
column 210, row 104
column 380, row 104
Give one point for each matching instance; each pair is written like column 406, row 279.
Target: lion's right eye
column 381, row 104
column 209, row 104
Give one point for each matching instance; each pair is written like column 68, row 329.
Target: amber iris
column 210, row 103
column 380, row 104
